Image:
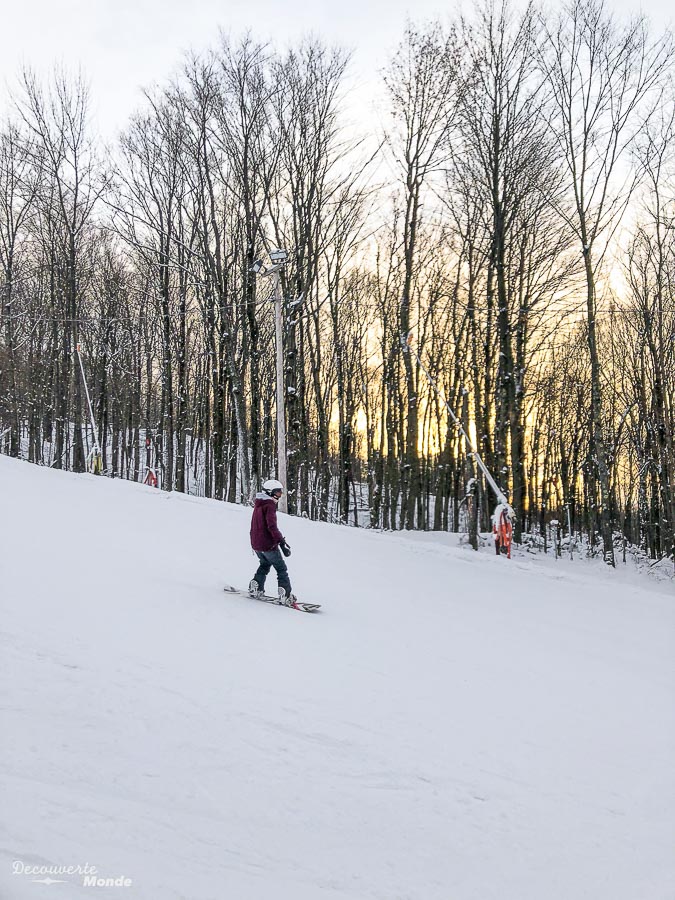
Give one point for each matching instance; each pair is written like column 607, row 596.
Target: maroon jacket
column 265, row 534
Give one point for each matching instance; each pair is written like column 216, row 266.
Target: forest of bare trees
column 513, row 219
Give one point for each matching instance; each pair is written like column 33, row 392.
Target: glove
column 285, row 548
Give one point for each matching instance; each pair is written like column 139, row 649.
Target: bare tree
column 18, row 186
column 420, row 83
column 70, row 186
column 602, row 76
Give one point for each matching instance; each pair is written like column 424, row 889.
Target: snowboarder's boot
column 286, row 599
column 253, row 589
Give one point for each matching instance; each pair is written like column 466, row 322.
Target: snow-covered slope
column 451, row 726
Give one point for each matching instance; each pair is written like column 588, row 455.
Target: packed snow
column 450, row 726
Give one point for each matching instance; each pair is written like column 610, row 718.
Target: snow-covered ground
column 451, row 726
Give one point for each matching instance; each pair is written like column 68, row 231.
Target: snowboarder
column 269, row 543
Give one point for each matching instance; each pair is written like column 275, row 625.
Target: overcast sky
column 123, row 45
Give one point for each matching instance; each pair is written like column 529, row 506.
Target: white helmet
column 272, row 485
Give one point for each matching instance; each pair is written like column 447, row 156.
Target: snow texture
column 451, row 725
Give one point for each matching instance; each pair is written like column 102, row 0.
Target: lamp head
column 278, row 256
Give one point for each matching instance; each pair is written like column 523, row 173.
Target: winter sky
column 123, row 45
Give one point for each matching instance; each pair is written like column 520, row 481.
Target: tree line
column 509, row 234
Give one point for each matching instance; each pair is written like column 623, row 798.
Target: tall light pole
column 281, row 402
column 278, row 258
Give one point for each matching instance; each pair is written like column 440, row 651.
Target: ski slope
column 450, row 726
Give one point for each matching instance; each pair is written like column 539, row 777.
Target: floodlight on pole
column 278, row 256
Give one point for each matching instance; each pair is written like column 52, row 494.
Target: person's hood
column 263, row 497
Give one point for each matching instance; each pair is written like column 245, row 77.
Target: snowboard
column 265, row 598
